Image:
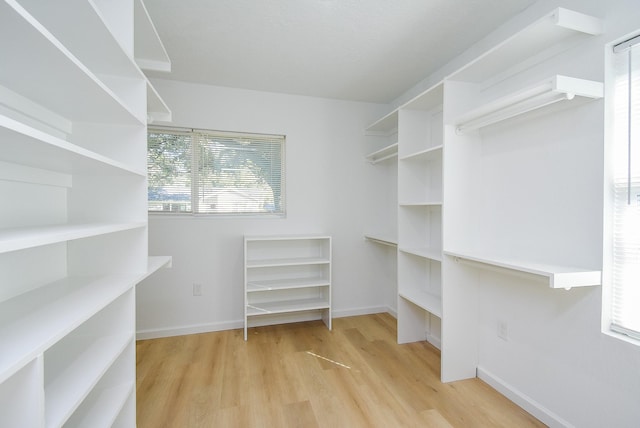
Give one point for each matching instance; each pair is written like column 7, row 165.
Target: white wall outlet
column 503, row 330
column 197, row 289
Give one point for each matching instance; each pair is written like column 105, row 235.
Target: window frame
column 193, row 172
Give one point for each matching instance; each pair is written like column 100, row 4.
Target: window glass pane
column 169, row 171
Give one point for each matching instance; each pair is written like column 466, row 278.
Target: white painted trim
column 435, row 341
column 543, row 414
column 157, row 333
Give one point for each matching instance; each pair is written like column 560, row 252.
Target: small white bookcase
column 286, row 279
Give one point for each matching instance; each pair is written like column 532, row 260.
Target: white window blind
column 209, row 172
column 626, row 182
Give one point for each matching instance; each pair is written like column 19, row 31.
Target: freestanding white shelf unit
column 286, row 279
column 73, row 223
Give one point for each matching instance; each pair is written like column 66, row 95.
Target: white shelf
column 388, row 152
column 34, row 321
column 427, row 253
column 156, row 263
column 556, row 276
column 428, row 99
column 556, row 89
column 68, row 87
column 150, row 53
column 549, row 31
column 431, row 153
column 27, row 237
column 288, row 306
column 385, row 126
column 269, row 238
column 428, row 302
column 157, row 109
column 106, row 406
column 28, row 146
column 381, row 239
column 285, row 284
column 70, row 388
column 288, row 262
column 410, row 204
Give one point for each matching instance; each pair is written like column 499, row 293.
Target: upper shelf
column 382, row 239
column 549, row 31
column 555, row 275
column 157, row 109
column 427, row 100
column 552, row 90
column 150, row 53
column 387, row 125
column 22, row 144
column 388, row 152
column 68, row 87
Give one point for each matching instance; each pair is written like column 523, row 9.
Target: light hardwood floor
column 302, row 375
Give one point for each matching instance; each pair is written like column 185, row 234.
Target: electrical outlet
column 197, row 289
column 503, row 330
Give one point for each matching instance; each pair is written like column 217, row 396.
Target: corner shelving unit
column 286, row 279
column 74, row 240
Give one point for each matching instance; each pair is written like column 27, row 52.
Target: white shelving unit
column 286, row 279
column 73, row 244
column 420, row 201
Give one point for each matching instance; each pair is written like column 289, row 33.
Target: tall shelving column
column 420, row 205
column 73, row 242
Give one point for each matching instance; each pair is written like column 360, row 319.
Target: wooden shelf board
column 381, row 239
column 549, row 31
column 383, row 154
column 557, row 276
column 299, row 261
column 267, row 308
column 14, row 239
column 427, row 253
column 64, row 394
column 285, row 284
column 68, row 87
column 28, row 146
column 427, row 154
column 427, row 301
column 34, row 321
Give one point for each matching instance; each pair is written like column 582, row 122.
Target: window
column 209, row 172
column 625, row 293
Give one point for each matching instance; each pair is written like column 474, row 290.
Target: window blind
column 211, row 172
column 626, row 190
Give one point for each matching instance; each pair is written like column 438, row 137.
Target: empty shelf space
column 547, row 32
column 157, row 109
column 156, row 263
column 280, row 307
column 385, row 126
column 68, row 87
column 32, row 322
column 150, row 53
column 425, row 252
column 287, row 262
column 381, row 239
column 389, row 152
column 557, row 276
column 69, row 389
column 20, row 143
column 105, row 405
column 14, row 239
column 427, row 301
column 431, row 153
column 285, row 284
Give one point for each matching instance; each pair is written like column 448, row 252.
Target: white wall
column 557, row 362
column 324, row 194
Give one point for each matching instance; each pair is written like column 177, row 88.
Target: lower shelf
column 281, row 307
column 429, row 302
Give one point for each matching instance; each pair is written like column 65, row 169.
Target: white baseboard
column 359, row 311
column 545, row 415
column 190, row 329
column 230, row 325
column 435, row 341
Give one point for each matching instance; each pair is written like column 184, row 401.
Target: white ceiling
column 362, row 50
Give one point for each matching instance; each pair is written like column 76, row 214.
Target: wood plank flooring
column 302, row 375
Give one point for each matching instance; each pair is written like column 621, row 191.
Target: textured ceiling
column 363, row 50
